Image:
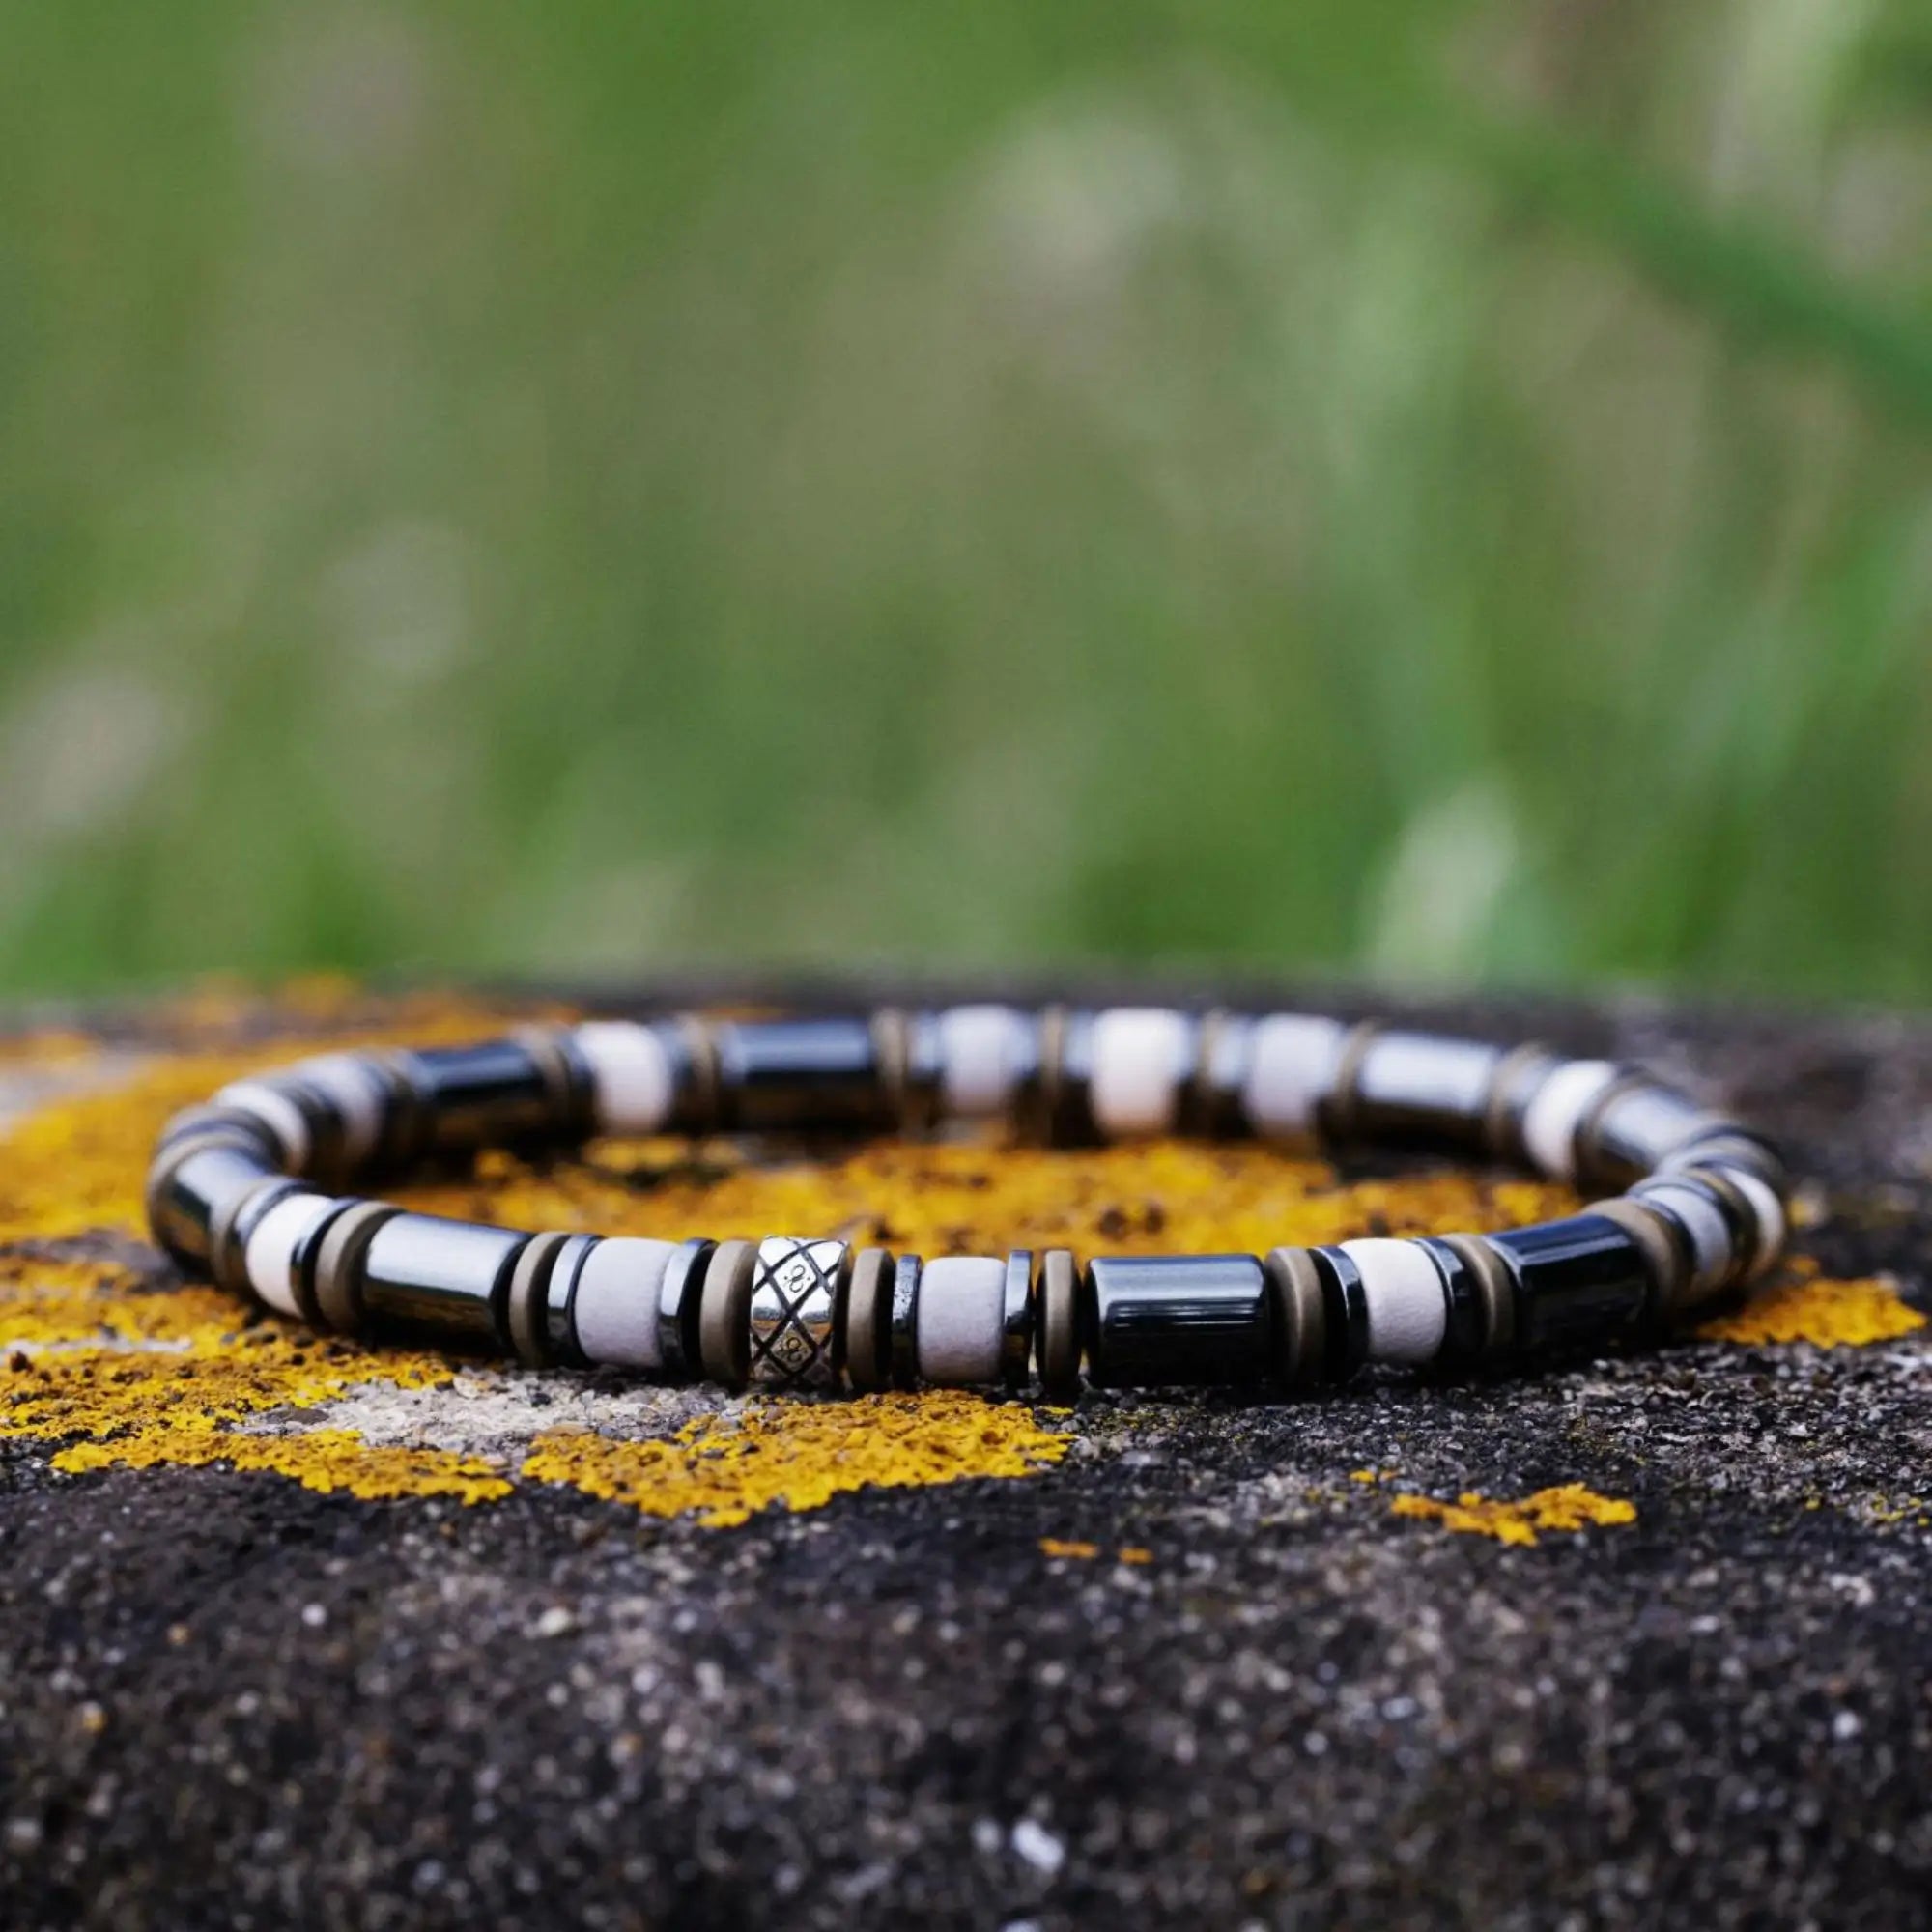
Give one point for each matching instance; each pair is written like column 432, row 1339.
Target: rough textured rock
column 1200, row 1669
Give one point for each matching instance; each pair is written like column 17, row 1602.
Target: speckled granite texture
column 229, row 1700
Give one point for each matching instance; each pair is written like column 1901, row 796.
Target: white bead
column 961, row 1319
column 358, row 1094
column 632, row 1078
column 1292, row 1067
column 277, row 1113
column 982, row 1056
column 1767, row 1211
column 1141, row 1055
column 1557, row 1108
column 1408, row 1313
column 616, row 1303
column 271, row 1249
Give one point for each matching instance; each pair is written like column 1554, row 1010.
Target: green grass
column 1440, row 491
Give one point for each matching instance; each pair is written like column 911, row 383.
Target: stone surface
column 1190, row 1661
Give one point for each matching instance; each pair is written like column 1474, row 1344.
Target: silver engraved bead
column 794, row 1297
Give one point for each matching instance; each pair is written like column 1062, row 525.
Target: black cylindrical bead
column 192, row 1182
column 1580, row 1280
column 1635, row 1127
column 1018, row 1319
column 1164, row 1321
column 485, row 1095
column 1345, row 1312
column 783, row 1076
column 450, row 1276
column 1423, row 1086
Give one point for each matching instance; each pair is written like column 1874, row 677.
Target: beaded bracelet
column 242, row 1189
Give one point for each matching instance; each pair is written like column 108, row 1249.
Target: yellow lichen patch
column 79, row 1164
column 1068, row 1549
column 1569, row 1507
column 1166, row 1196
column 1805, row 1307
column 725, row 1468
column 322, row 1458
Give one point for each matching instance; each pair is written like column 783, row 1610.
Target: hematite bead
column 1495, row 1283
column 1017, row 1331
column 904, row 1319
column 484, row 1094
column 1423, row 1086
column 1467, row 1321
column 1635, row 1125
column 679, row 1294
column 1158, row 1321
column 234, row 1222
column 1580, row 1280
column 193, row 1180
column 567, row 1078
column 560, row 1303
column 1666, row 1251
column 1345, row 1312
column 448, row 1276
column 783, row 1075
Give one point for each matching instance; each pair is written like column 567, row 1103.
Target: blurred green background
column 1441, row 491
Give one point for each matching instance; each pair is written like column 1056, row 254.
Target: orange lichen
column 723, row 1468
column 1569, row 1507
column 1805, row 1307
column 1068, row 1549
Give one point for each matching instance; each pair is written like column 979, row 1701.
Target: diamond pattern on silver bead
column 794, row 1294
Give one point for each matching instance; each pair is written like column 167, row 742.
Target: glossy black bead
column 1018, row 1319
column 452, row 1277
column 779, row 1076
column 1580, row 1280
column 1170, row 1321
column 1421, row 1087
column 559, row 1309
column 678, row 1298
column 1635, row 1126
column 1465, row 1331
column 904, row 1319
column 192, row 1182
column 230, row 1123
column 483, row 1096
column 234, row 1225
column 1345, row 1309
